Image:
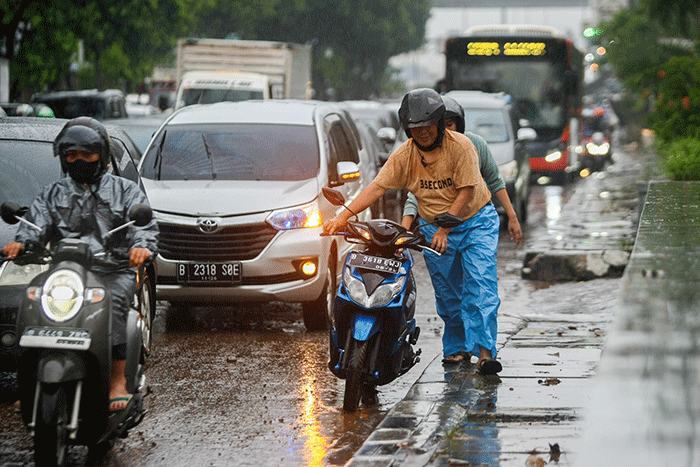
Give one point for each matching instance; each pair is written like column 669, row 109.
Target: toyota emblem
column 208, row 225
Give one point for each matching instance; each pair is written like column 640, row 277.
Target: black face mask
column 84, row 172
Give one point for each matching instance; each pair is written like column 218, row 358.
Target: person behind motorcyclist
column 454, row 121
column 86, row 205
column 441, row 168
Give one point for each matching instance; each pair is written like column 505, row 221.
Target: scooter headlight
column 62, row 295
column 380, row 297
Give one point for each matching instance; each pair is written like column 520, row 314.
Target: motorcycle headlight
column 381, row 296
column 296, row 218
column 13, row 274
column 62, row 295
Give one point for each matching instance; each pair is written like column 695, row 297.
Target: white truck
column 285, row 66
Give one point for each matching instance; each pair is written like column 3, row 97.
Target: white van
column 209, row 87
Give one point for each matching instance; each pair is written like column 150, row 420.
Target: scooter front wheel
column 355, row 376
column 51, row 430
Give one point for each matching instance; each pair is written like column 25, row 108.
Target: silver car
column 235, row 188
column 491, row 116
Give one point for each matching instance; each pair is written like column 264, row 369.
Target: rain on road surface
column 248, row 385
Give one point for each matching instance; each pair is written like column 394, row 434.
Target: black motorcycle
column 64, row 360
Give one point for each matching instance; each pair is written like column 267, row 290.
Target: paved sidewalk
column 530, row 414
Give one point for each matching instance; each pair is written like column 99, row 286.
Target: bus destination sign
column 506, row 48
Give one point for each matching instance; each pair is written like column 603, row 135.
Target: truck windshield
column 210, row 96
column 233, row 152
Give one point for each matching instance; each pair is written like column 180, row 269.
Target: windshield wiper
column 159, row 156
column 210, row 156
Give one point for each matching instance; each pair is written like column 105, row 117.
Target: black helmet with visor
column 83, row 134
column 423, row 107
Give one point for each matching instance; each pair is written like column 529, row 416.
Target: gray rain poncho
column 66, row 209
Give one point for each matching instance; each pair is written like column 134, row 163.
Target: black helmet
column 423, row 107
column 83, row 134
column 454, row 111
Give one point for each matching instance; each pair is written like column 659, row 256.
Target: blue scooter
column 373, row 328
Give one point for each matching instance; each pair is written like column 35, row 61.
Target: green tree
column 36, row 39
column 353, row 39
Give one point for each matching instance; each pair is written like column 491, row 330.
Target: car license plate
column 209, row 272
column 374, row 263
column 53, row 338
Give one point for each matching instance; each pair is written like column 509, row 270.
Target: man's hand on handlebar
column 12, row 249
column 138, row 255
column 334, row 225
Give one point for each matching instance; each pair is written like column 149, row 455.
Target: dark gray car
column 27, row 164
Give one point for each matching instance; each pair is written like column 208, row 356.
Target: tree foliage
column 123, row 39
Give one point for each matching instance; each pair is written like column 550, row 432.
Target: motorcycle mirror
column 334, row 197
column 447, row 220
column 141, row 214
column 9, row 212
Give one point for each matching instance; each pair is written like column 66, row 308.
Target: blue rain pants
column 465, row 281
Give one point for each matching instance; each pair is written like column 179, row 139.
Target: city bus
column 541, row 71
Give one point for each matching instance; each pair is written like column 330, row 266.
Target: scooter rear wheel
column 355, row 376
column 51, row 431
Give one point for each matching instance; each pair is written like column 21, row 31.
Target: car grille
column 233, row 243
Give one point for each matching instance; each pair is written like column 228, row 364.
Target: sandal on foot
column 120, row 399
column 454, row 359
column 489, row 366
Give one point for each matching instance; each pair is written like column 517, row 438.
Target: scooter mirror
column 10, row 212
column 447, row 220
column 334, row 197
column 141, row 214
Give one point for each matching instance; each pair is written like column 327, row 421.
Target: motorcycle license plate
column 52, row 338
column 374, row 263
column 229, row 273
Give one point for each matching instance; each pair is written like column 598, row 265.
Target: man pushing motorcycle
column 88, row 205
column 442, row 170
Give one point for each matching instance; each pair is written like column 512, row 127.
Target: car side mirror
column 527, row 134
column 387, row 135
column 347, row 172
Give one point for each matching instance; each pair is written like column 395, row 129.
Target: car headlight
column 296, row 218
column 380, row 297
column 12, row 274
column 62, row 295
column 509, row 170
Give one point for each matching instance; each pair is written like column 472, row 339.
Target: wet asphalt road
column 247, row 385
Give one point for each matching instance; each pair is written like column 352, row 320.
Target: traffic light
column 592, row 32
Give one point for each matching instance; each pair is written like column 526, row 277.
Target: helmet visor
column 423, row 123
column 80, row 138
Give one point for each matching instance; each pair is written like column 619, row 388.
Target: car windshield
column 210, row 96
column 25, row 168
column 490, row 124
column 233, row 152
